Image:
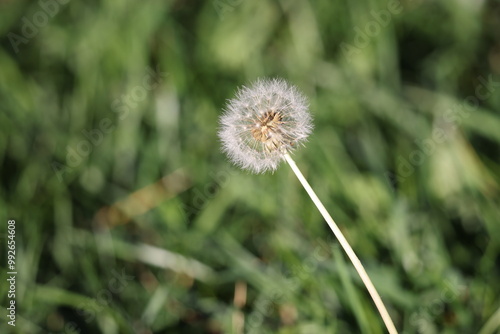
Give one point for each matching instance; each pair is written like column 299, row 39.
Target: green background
column 111, row 166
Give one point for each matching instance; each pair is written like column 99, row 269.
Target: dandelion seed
column 275, row 120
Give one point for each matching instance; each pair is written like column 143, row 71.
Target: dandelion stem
column 345, row 245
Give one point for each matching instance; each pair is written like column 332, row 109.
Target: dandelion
column 259, row 128
column 263, row 122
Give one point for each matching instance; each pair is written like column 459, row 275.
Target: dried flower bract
column 263, row 122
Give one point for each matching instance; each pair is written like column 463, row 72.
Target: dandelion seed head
column 263, row 122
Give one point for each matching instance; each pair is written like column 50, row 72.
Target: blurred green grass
column 423, row 219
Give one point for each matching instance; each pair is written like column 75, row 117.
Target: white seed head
column 263, row 122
